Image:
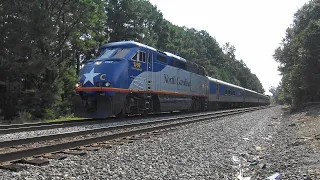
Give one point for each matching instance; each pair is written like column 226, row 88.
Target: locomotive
column 129, row 77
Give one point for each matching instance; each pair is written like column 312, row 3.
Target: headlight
column 107, row 84
column 97, row 62
column 78, row 84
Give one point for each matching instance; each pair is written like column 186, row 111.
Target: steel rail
column 14, row 128
column 16, row 142
column 24, row 125
column 17, row 155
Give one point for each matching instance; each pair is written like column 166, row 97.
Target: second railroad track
column 16, row 151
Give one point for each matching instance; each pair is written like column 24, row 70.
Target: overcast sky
column 254, row 27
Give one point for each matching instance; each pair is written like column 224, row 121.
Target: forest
column 43, row 43
column 299, row 58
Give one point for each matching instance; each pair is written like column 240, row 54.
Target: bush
column 23, row 117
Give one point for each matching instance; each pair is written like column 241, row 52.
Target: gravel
column 91, row 135
column 256, row 144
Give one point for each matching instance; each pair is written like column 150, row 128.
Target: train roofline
column 175, row 56
column 235, row 86
column 127, row 44
column 137, row 44
column 225, row 83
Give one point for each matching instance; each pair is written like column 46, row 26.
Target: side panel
column 230, row 94
column 183, row 81
column 195, row 82
column 137, row 72
column 168, row 79
column 150, row 83
column 202, row 89
column 212, row 91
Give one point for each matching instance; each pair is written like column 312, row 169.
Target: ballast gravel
column 217, row 149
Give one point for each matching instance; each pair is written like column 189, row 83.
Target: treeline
column 43, row 41
column 299, row 58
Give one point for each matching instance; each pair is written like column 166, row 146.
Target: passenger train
column 128, row 77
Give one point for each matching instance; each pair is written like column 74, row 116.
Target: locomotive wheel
column 145, row 113
column 121, row 115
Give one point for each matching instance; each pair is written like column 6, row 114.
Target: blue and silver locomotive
column 132, row 78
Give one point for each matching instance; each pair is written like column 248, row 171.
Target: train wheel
column 121, row 115
column 145, row 113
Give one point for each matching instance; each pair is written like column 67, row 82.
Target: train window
column 135, row 57
column 162, row 58
column 121, row 53
column 149, row 57
column 142, row 56
column 106, row 52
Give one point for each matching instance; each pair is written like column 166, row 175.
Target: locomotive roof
column 131, row 44
column 128, row 44
column 235, row 86
column 225, row 83
column 255, row 92
column 175, row 56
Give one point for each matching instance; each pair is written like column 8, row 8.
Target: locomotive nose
column 98, row 83
column 98, row 75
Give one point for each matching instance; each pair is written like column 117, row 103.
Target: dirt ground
column 308, row 126
column 296, row 150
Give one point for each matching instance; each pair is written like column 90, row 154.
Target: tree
column 272, row 90
column 299, row 54
column 38, row 44
column 43, row 41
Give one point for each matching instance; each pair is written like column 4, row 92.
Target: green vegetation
column 298, row 56
column 43, row 42
column 64, row 119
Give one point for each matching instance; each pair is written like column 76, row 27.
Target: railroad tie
column 35, row 162
column 85, row 148
column 53, row 156
column 12, row 167
column 73, row 152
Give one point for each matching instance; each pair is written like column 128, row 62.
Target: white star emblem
column 90, row 76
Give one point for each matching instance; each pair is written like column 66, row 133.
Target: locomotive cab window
column 140, row 56
column 109, row 53
column 121, row 53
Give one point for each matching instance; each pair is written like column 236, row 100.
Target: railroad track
column 39, row 155
column 15, row 128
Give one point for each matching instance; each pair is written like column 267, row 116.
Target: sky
column 254, row 27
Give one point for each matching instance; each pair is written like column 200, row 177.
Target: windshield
column 108, row 53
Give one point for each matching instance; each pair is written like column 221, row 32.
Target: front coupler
column 98, row 106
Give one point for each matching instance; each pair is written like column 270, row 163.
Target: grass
column 63, row 119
